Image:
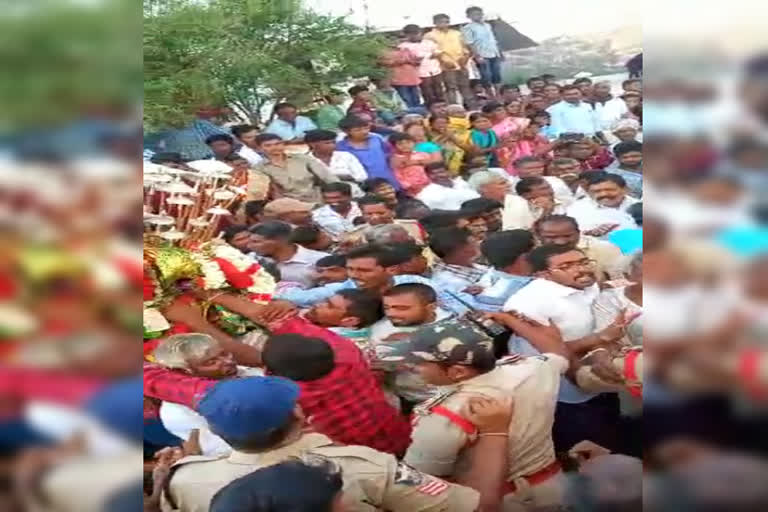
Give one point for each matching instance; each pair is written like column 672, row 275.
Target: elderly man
column 202, row 356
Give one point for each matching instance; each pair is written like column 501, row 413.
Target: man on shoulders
column 289, row 125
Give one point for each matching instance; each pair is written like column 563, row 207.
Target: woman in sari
column 453, row 145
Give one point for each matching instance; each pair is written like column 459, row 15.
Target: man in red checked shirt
column 345, row 403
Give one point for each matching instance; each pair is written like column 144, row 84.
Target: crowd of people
column 457, row 314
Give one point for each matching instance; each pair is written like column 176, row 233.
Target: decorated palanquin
column 172, row 272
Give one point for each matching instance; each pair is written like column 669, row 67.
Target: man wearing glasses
column 562, row 295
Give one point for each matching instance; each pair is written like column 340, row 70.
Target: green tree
column 245, row 54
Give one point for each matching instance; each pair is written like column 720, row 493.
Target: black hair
column 333, row 260
column 477, row 115
column 240, row 129
column 407, row 208
column 384, row 255
column 627, row 147
column 472, row 212
column 446, row 241
column 555, row 218
column 440, row 16
column 352, row 121
column 625, row 83
column 304, row 235
column 319, row 135
column 570, row 86
column 297, row 357
column 435, row 102
column 437, row 219
column 545, row 76
column 403, row 252
column 363, row 305
column 582, row 80
column 371, row 199
column 166, row 156
column 539, row 257
column 432, row 119
column 525, row 185
column 591, row 174
column 540, row 113
column 636, row 212
column 527, row 160
column 602, row 178
column 433, row 166
column 292, row 485
column 472, row 9
column 424, row 292
column 219, row 137
column 281, row 106
column 265, row 137
column 503, row 249
column 399, row 137
column 371, row 183
column 482, row 204
column 356, row 89
column 253, row 208
column 230, row 231
column 534, row 79
column 273, row 230
column 507, row 87
column 337, row 186
column 411, row 29
column 491, row 106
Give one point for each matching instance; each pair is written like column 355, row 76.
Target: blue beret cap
column 238, row 409
column 119, row 407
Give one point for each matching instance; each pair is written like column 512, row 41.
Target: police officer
column 459, row 358
column 260, row 419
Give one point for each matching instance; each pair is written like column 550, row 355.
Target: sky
column 537, row 20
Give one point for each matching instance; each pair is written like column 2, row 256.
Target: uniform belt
column 536, row 478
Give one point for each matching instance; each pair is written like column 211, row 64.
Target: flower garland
column 224, row 266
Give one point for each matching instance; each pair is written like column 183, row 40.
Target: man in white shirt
column 572, row 115
column 531, row 166
column 345, row 166
column 606, row 207
column 562, row 295
column 296, row 263
column 608, row 108
column 337, row 214
column 540, row 200
column 445, row 192
column 246, row 134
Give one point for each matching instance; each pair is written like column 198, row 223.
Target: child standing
column 407, row 165
column 484, row 138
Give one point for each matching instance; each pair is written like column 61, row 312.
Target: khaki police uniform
column 629, row 363
column 372, row 480
column 441, row 434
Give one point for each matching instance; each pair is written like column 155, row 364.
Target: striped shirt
column 480, row 38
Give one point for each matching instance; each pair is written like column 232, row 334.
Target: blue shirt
column 570, row 118
column 306, row 298
column 288, row 131
column 628, row 240
column 374, row 157
column 502, row 287
column 481, row 39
